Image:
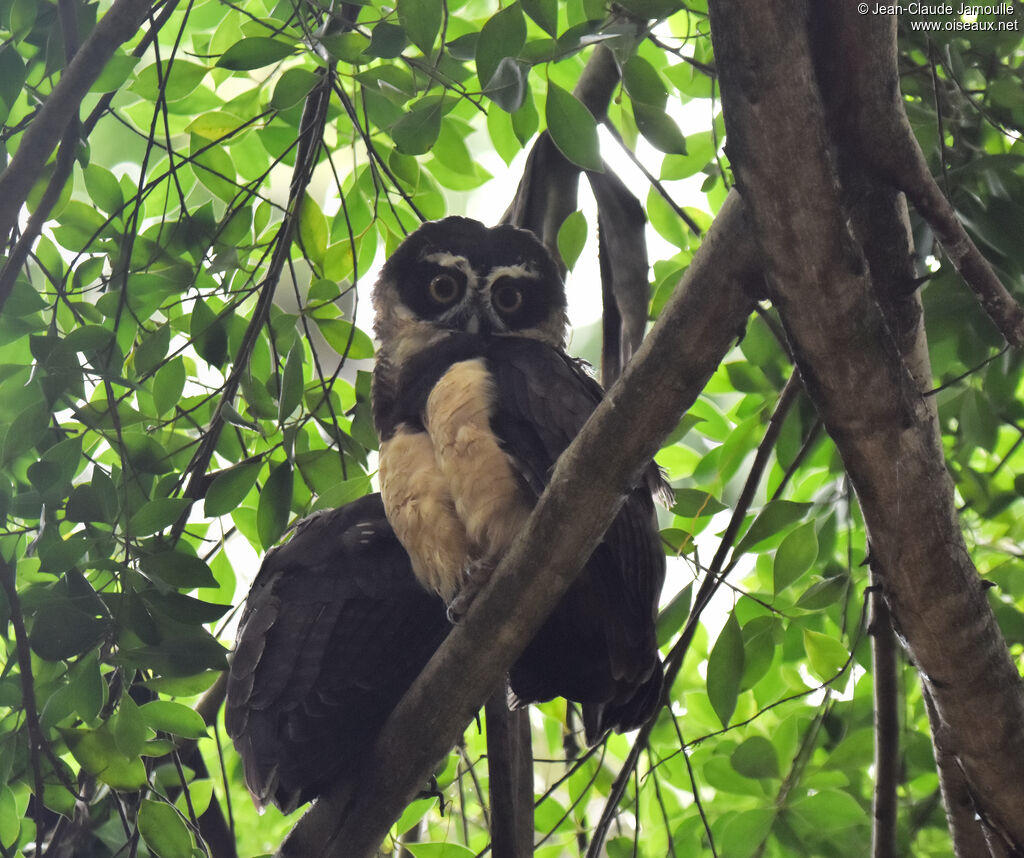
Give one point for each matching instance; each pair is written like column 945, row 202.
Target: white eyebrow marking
column 519, row 271
column 448, row 260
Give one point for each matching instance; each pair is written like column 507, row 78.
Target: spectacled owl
column 474, row 399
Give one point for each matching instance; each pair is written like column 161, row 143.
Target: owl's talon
column 474, row 576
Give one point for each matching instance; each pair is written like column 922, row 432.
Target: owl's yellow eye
column 444, row 288
column 507, row 298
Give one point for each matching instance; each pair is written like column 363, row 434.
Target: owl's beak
column 478, row 323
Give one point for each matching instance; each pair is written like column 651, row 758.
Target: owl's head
column 458, row 275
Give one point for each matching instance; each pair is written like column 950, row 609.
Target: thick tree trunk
column 864, row 374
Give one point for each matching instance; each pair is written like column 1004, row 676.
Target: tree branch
column 695, row 330
column 311, row 127
column 713, row 579
column 887, row 729
column 509, row 777
column 121, row 22
column 964, row 828
column 870, row 403
column 876, row 123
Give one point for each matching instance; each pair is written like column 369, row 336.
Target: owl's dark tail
column 624, row 712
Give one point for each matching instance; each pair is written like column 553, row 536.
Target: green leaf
column 183, row 651
column 544, row 14
column 312, row 229
column 115, row 73
column 157, row 514
column 343, row 492
column 823, row 593
column 694, row 503
column 22, row 18
column 179, row 80
column 573, row 128
column 214, row 125
column 275, row 504
column 387, row 41
column 291, row 382
column 745, row 832
column 88, row 689
column 830, row 810
column 421, row 20
column 168, row 385
column 185, row 571
column 758, row 650
column 65, row 456
column 183, row 686
column 775, row 517
column 96, row 751
column 346, row 47
column 825, row 655
column 659, row 128
column 503, row 138
column 572, row 236
column 12, row 78
column 756, row 758
column 794, row 556
column 672, row 617
column 293, row 86
column 525, row 121
column 151, row 350
column 440, row 850
column 725, row 670
column 57, row 556
column 345, row 338
column 170, row 717
column 643, row 83
column 507, row 87
column 10, row 817
column 130, row 731
column 253, row 53
column 164, row 831
column 413, row 813
column 103, row 188
column 184, row 609
column 502, row 36
column 229, row 488
column 208, row 334
column 416, row 132
column 61, row 629
column 23, row 433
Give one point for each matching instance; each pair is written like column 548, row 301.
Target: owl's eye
column 444, row 288
column 507, row 298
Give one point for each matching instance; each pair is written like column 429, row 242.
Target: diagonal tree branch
column 695, row 330
column 121, row 22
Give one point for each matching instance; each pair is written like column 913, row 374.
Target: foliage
column 182, row 377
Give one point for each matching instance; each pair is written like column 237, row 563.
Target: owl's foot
column 474, row 577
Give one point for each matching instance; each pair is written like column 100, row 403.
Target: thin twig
column 712, row 581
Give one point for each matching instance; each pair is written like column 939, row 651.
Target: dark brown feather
column 335, row 629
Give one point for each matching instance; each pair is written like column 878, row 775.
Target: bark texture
column 863, row 369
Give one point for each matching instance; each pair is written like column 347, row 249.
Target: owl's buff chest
column 451, row 492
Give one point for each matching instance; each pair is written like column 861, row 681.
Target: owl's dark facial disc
column 456, row 274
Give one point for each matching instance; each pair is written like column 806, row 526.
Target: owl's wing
column 598, row 647
column 335, row 629
column 543, row 398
